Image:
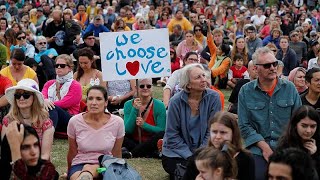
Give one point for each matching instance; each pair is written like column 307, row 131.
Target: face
column 56, row 18
column 202, row 18
column 239, row 62
column 96, row 102
column 67, row 17
column 179, row 15
column 41, row 45
column 189, row 37
column 16, row 28
column 276, row 34
column 198, row 80
column 219, row 133
column 279, row 171
column 17, row 65
column 266, row 74
column 205, row 173
column 30, row 150
column 90, row 40
column 145, row 88
column 306, row 128
column 299, row 79
column 315, row 83
column 85, row 62
column 192, row 59
column 251, row 34
column 218, row 38
column 240, row 43
column 141, row 24
column 294, row 36
column 284, row 43
column 81, row 10
column 61, row 71
column 24, row 99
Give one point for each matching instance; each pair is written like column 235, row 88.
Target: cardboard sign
column 135, row 54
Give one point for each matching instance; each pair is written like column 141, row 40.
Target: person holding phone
column 303, row 133
column 148, row 115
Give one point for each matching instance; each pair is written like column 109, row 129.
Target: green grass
column 149, row 169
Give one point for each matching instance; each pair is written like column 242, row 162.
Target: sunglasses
column 60, row 65
column 142, row 86
column 21, row 37
column 142, row 22
column 42, row 43
column 268, row 65
column 24, row 95
column 294, row 35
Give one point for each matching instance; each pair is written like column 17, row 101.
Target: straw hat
column 27, row 85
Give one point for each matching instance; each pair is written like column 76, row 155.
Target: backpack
column 117, row 169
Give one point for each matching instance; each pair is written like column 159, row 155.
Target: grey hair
column 259, row 52
column 185, row 75
column 140, row 80
column 41, row 38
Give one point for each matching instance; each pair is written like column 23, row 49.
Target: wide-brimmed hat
column 27, row 85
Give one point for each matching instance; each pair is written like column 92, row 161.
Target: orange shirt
column 221, row 96
column 270, row 91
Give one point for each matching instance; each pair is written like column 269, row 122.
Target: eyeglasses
column 192, row 59
column 42, row 43
column 142, row 86
column 268, row 65
column 61, row 65
column 294, row 35
column 250, row 32
column 142, row 22
column 21, row 37
column 197, row 30
column 24, row 95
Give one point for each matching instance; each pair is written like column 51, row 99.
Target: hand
column 311, row 146
column 266, row 150
column 139, row 121
column 95, row 57
column 116, row 100
column 137, row 103
column 199, row 177
column 14, row 136
column 48, row 105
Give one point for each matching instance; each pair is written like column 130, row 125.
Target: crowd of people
column 266, row 52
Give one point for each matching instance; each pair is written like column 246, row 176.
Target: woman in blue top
column 187, row 128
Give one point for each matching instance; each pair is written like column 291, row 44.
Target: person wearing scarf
column 297, row 77
column 62, row 95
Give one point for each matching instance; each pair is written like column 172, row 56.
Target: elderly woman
column 93, row 134
column 63, row 94
column 17, row 71
column 27, row 108
column 297, row 76
column 23, row 146
column 187, row 118
column 87, row 74
column 148, row 114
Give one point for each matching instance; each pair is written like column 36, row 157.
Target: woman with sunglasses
column 287, row 55
column 27, row 108
column 303, row 133
column 22, row 43
column 62, row 95
column 147, row 114
column 197, row 29
column 163, row 21
column 17, row 71
column 140, row 24
column 21, row 155
column 240, row 46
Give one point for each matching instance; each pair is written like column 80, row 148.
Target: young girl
column 215, row 164
column 303, row 133
column 237, row 71
column 224, row 128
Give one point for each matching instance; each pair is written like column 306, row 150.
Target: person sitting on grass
column 23, row 143
column 92, row 134
column 237, row 71
column 145, row 114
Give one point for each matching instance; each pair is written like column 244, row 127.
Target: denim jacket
column 265, row 118
column 177, row 140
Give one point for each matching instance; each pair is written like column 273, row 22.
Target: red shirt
column 4, row 84
column 144, row 134
column 238, row 73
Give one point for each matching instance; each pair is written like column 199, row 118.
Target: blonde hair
column 38, row 113
column 67, row 58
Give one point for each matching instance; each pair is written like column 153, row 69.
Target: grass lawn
column 148, row 168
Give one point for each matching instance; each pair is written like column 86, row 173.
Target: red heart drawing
column 133, row 67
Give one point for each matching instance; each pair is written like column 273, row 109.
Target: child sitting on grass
column 237, row 71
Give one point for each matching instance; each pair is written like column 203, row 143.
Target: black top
column 306, row 102
column 245, row 163
column 235, row 92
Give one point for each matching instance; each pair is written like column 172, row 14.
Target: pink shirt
column 71, row 101
column 91, row 142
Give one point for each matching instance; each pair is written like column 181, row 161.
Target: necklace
column 194, row 105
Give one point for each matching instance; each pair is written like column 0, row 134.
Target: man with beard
column 89, row 41
column 265, row 106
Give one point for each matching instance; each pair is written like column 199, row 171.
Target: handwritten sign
column 135, row 54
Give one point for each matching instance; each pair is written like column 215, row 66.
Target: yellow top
column 28, row 74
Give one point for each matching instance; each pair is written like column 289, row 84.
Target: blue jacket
column 270, row 39
column 177, row 141
column 96, row 30
column 264, row 118
column 290, row 60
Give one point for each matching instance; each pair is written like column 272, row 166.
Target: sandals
column 85, row 175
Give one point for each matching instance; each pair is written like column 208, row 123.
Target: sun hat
column 27, row 85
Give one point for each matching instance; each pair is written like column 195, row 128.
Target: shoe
column 126, row 154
